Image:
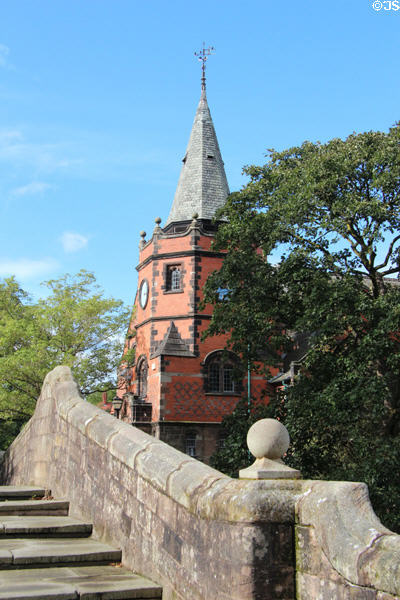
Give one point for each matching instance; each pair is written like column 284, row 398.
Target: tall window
column 173, row 281
column 220, row 374
column 190, row 444
column 142, row 372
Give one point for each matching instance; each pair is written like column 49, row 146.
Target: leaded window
column 190, row 444
column 142, row 373
column 220, row 374
column 173, row 278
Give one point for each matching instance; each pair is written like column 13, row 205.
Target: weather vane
column 203, row 56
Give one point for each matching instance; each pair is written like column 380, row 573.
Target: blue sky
column 97, row 100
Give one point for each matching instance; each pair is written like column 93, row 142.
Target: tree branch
column 389, row 252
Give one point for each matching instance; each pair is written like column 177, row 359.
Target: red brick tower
column 180, row 387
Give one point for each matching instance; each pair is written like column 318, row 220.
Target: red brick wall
column 176, row 384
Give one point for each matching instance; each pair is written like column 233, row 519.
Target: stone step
column 26, row 553
column 77, row 583
column 34, row 507
column 41, row 526
column 40, row 560
column 8, row 492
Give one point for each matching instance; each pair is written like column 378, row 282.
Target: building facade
column 179, row 387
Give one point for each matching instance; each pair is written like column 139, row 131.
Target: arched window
column 141, row 373
column 219, row 373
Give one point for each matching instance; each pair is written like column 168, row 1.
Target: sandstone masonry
column 189, row 528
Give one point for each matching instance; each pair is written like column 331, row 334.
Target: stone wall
column 343, row 552
column 200, row 534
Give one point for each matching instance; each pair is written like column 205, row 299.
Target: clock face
column 144, row 293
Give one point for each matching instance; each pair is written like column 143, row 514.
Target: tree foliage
column 329, row 215
column 73, row 325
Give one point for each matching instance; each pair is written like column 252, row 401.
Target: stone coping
column 199, row 488
column 350, row 534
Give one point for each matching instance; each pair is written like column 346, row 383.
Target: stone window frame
column 142, row 369
column 166, row 283
column 191, row 443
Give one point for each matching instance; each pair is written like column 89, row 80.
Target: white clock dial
column 144, row 293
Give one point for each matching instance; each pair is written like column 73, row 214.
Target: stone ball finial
column 142, row 234
column 268, row 438
column 195, row 216
column 157, row 220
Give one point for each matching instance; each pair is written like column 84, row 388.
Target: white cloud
column 35, row 187
column 84, row 154
column 4, row 52
column 26, row 268
column 72, row 242
column 17, row 151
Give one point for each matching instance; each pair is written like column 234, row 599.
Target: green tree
column 73, row 325
column 332, row 211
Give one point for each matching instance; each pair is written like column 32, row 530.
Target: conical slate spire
column 202, row 186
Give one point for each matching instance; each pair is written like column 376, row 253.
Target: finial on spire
column 203, row 56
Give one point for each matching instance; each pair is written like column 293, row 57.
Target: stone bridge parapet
column 200, row 534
